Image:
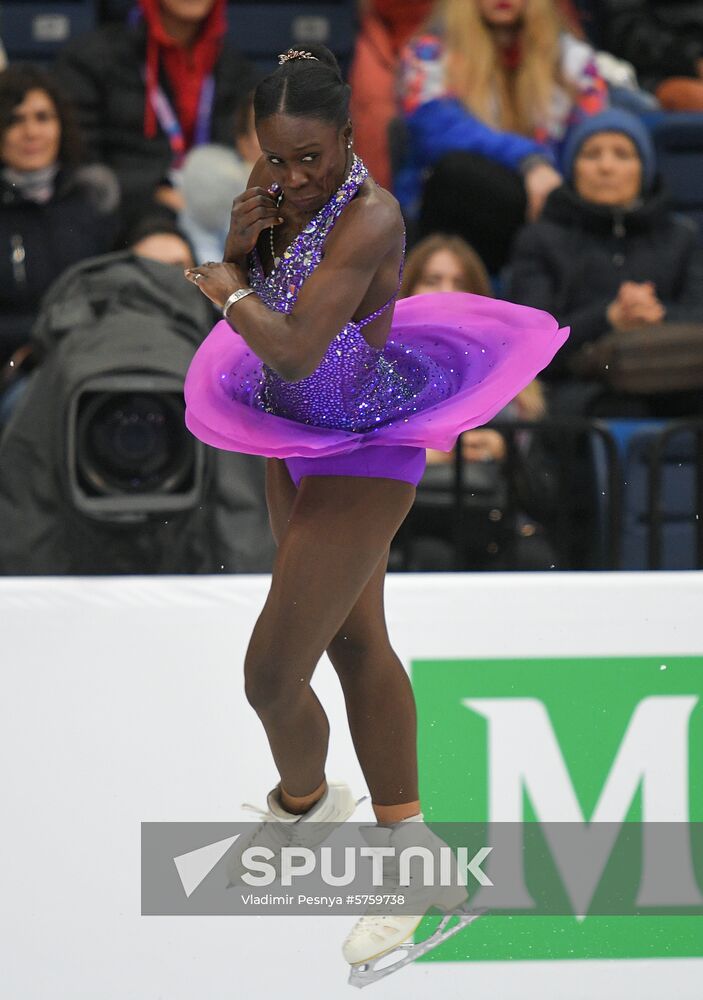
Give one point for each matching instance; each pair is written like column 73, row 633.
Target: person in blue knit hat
column 609, row 254
column 620, row 122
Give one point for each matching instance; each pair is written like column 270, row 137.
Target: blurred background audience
column 155, row 239
column 152, row 238
column 663, row 39
column 607, row 255
column 206, row 209
column 385, row 28
column 509, row 483
column 149, row 90
column 54, row 210
column 499, row 126
column 490, row 90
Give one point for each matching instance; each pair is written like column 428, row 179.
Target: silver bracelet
column 235, row 297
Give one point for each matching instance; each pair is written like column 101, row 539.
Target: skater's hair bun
column 307, row 84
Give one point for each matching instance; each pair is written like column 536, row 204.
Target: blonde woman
column 490, row 91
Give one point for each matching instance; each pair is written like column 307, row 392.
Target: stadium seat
column 583, row 527
column 38, row 30
column 261, row 31
column 678, row 139
column 658, row 531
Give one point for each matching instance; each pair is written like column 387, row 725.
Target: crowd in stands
column 663, row 39
column 519, row 539
column 516, row 134
column 608, row 254
column 147, row 92
column 55, row 208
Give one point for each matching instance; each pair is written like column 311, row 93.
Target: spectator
column 150, row 91
column 490, row 92
column 516, row 539
column 54, row 211
column 205, row 218
column 663, row 39
column 442, row 263
column 608, row 255
column 386, row 26
column 156, row 240
column 152, row 237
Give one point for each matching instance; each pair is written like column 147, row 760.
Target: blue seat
column 263, row 30
column 678, row 140
column 677, row 495
column 596, row 478
column 38, row 30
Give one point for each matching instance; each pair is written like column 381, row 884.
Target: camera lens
column 133, row 442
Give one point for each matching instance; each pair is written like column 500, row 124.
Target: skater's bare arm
column 362, row 253
column 252, row 211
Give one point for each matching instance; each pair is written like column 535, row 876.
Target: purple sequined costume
column 451, row 362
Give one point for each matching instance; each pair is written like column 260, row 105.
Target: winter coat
column 661, row 38
column 573, row 260
column 41, row 240
column 103, row 73
column 438, row 123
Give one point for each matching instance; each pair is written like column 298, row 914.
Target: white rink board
column 122, row 702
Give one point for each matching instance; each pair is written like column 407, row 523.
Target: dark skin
column 359, row 270
column 333, row 533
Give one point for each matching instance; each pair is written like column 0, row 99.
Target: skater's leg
column 280, row 496
column 338, row 530
column 380, row 703
column 375, row 685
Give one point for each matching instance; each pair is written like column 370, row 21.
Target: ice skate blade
column 365, row 973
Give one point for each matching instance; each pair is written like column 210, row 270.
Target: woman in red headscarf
column 150, row 90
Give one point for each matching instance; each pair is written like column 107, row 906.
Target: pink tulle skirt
column 489, row 349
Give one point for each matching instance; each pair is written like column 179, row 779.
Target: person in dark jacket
column 148, row 92
column 490, row 90
column 663, row 39
column 53, row 211
column 153, row 238
column 607, row 254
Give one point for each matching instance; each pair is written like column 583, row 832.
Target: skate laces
column 263, row 813
column 268, row 822
column 292, row 833
column 265, row 816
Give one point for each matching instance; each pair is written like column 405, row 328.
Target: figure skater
column 303, row 371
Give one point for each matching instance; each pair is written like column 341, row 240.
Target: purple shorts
column 370, row 462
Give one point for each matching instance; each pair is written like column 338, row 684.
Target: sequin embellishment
column 355, row 387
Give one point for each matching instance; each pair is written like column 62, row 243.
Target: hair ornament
column 295, row 54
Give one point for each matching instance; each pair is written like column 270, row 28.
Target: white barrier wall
column 122, row 702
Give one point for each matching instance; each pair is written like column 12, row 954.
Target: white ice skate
column 279, row 828
column 378, row 944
